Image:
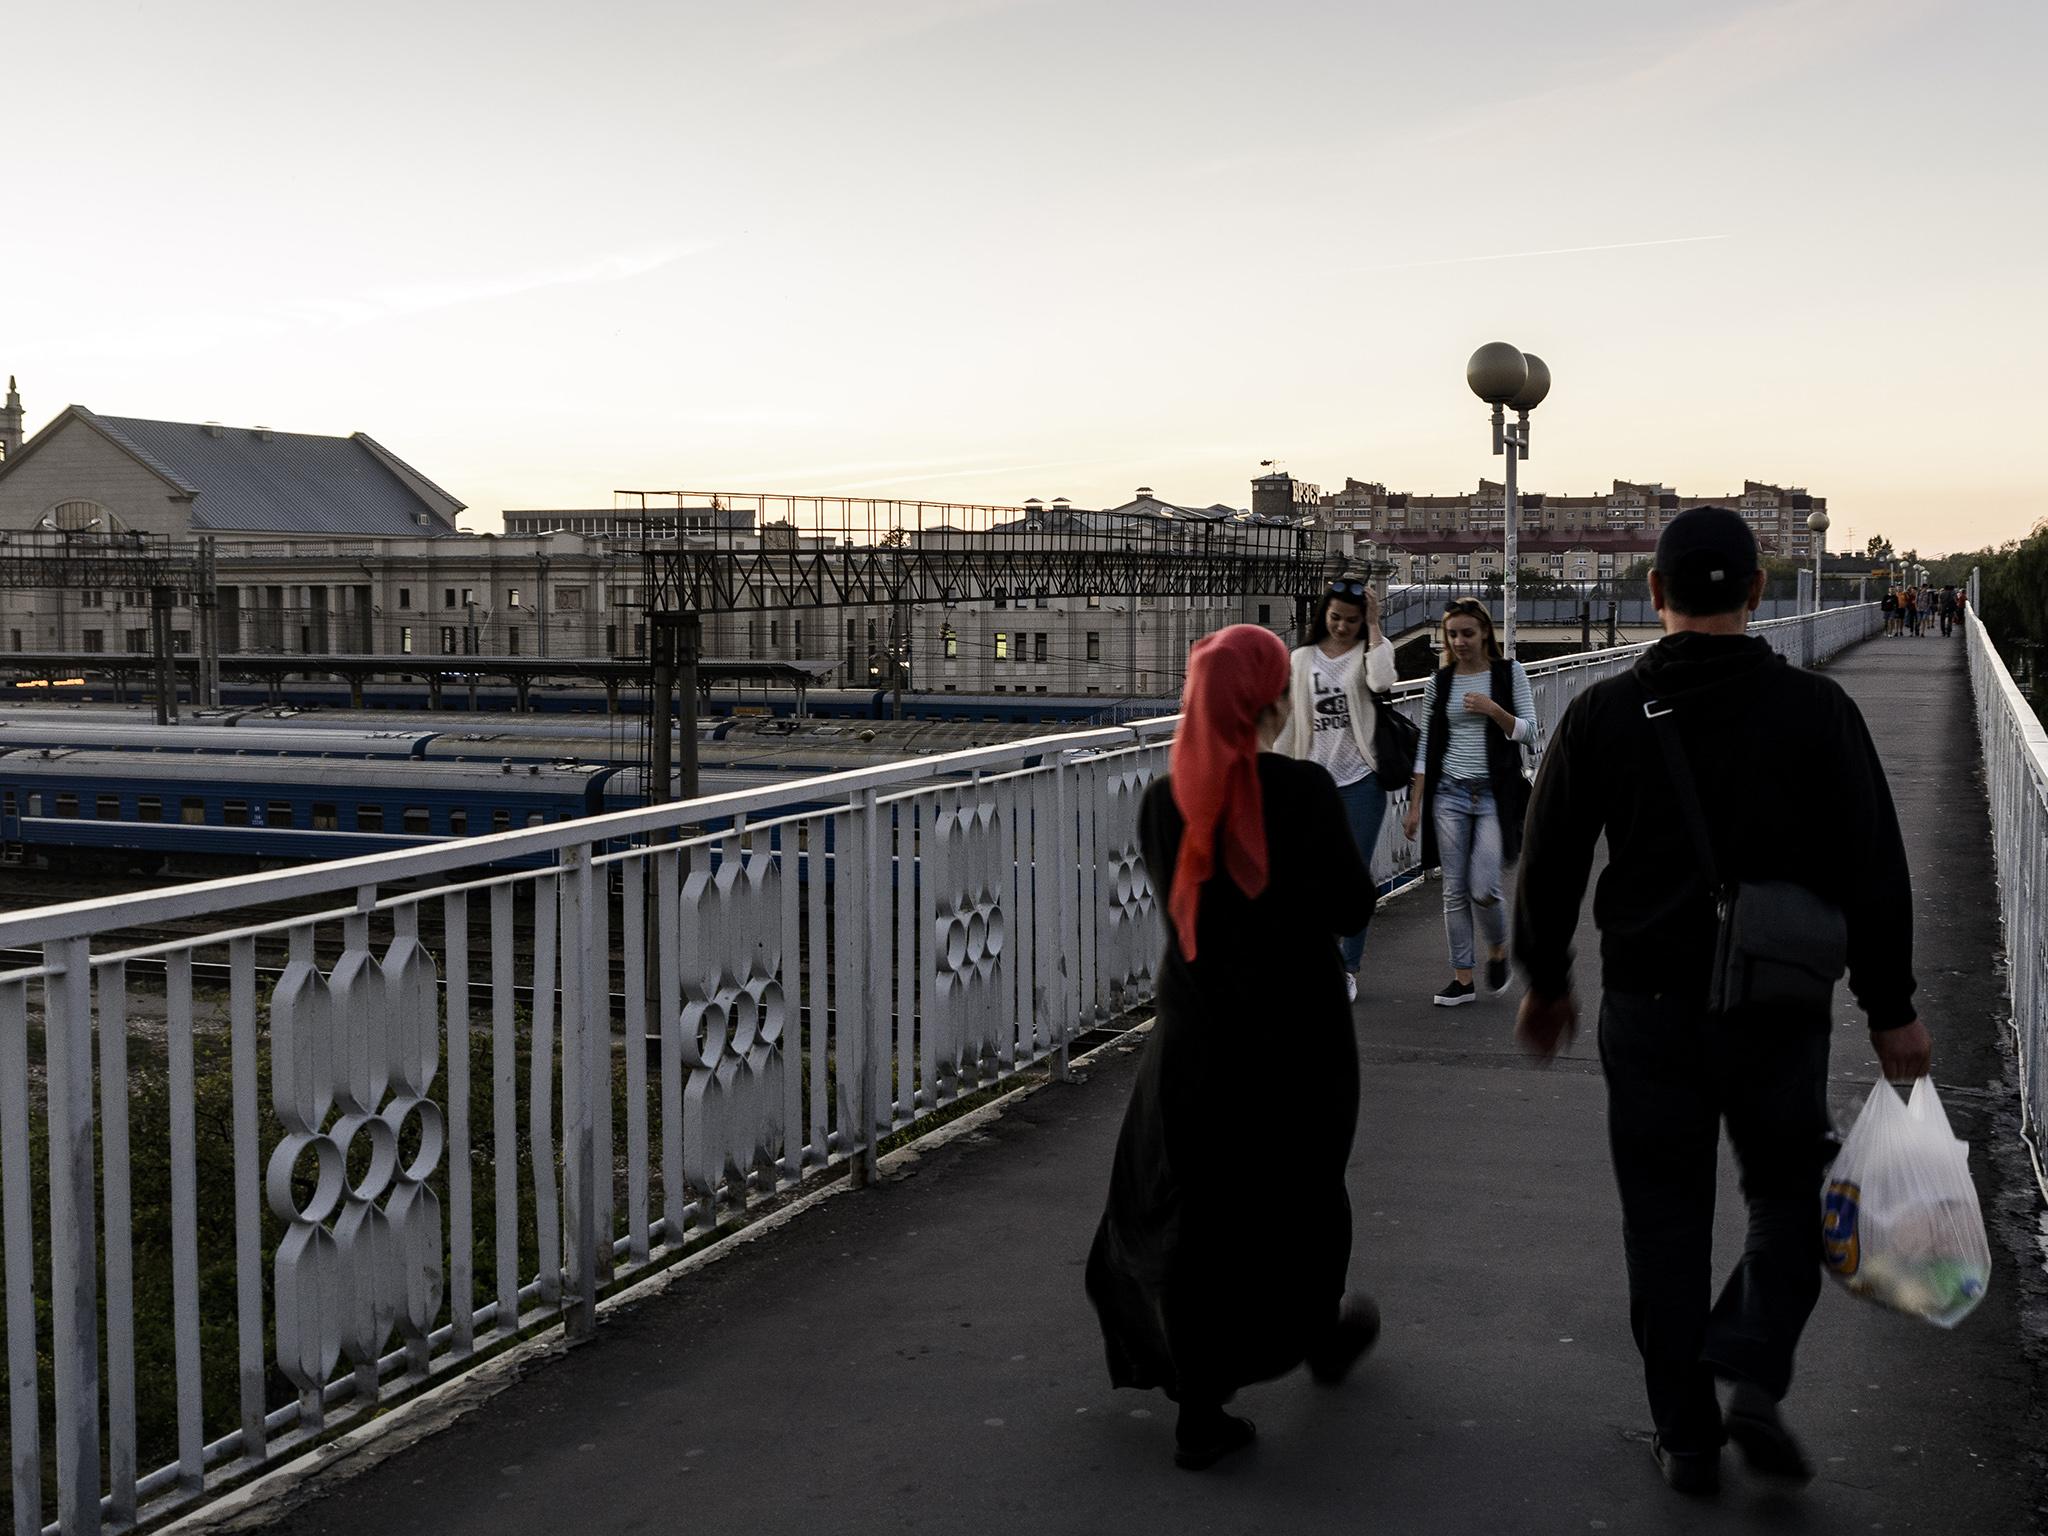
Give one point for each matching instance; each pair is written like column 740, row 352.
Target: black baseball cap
column 1707, row 557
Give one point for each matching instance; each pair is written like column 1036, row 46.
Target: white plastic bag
column 1900, row 1223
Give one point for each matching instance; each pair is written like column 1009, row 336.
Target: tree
column 1879, row 549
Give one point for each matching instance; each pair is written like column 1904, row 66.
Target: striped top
column 1465, row 753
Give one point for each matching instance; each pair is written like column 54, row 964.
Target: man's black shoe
column 1217, row 1439
column 1767, row 1446
column 1356, row 1330
column 1497, row 974
column 1454, row 993
column 1696, row 1473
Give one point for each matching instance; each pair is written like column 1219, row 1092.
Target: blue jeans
column 1468, row 843
column 1365, row 805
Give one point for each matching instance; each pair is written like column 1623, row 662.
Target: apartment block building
column 1571, row 538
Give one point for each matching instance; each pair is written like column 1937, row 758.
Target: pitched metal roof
column 253, row 480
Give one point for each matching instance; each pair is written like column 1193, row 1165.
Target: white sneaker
column 1351, row 984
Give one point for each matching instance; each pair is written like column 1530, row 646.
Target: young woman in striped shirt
column 1469, row 794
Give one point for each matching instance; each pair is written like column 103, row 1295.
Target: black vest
column 1503, row 765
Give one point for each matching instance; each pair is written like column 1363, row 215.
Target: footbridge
column 733, row 1162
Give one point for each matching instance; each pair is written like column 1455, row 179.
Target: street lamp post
column 1509, row 379
column 1817, row 525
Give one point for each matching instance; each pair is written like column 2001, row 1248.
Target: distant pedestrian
column 1331, row 716
column 1679, row 764
column 1190, row 1300
column 1948, row 611
column 1910, row 610
column 1889, row 604
column 1468, row 792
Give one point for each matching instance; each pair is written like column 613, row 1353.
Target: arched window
column 83, row 516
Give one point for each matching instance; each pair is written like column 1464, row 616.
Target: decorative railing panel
column 335, row 1130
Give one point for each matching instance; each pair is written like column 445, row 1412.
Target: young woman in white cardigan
column 1330, row 716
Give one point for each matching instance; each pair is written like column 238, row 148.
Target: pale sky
column 990, row 249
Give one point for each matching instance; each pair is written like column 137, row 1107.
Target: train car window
column 501, row 821
column 278, row 813
column 369, row 818
column 458, row 822
column 326, row 818
column 67, row 803
column 108, row 807
column 416, row 822
column 535, row 819
column 35, row 805
column 149, row 808
column 7, row 802
column 234, row 813
column 192, row 812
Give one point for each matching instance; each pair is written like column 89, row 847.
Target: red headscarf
column 1232, row 676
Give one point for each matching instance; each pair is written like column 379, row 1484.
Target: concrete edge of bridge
column 255, row 1505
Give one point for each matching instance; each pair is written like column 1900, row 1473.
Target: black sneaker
column 1767, row 1446
column 1690, row 1472
column 1454, row 993
column 1497, row 974
column 1213, row 1442
column 1355, row 1331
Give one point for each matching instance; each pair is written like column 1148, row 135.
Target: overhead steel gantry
column 724, row 552
column 72, row 560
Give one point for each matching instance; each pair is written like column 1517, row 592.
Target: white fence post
column 74, row 1239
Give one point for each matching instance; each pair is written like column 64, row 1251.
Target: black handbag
column 1777, row 942
column 1395, row 739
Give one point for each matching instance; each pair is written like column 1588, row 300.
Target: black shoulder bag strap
column 1655, row 710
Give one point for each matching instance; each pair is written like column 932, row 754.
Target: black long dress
column 1221, row 1258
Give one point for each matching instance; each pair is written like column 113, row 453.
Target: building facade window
column 405, row 597
column 1038, row 646
column 1095, row 645
column 1002, row 645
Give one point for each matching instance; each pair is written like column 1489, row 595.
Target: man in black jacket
column 1791, row 789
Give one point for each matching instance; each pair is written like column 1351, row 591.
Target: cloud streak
column 181, row 332
column 1561, row 250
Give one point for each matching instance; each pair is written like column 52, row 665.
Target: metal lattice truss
column 42, row 559
column 709, row 552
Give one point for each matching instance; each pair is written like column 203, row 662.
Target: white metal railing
column 2016, row 781
column 334, row 1130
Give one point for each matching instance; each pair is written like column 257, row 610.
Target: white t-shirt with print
column 1332, row 742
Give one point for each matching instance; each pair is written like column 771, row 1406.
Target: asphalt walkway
column 920, row 1356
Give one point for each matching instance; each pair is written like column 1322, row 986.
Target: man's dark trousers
column 1674, row 1071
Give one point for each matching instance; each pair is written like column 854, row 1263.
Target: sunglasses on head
column 1464, row 605
column 1347, row 589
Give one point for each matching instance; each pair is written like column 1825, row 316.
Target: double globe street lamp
column 1817, row 525
column 1509, row 379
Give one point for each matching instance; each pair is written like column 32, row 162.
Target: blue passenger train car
column 126, row 809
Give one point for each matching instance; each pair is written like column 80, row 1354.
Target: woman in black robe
column 1221, row 1258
